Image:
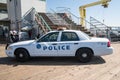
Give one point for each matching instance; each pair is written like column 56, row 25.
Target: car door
column 68, row 44
column 46, row 46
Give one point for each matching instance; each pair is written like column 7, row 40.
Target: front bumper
column 9, row 53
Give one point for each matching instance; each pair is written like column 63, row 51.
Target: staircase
column 34, row 24
column 72, row 24
column 49, row 22
column 26, row 19
column 57, row 20
column 42, row 23
column 102, row 30
column 97, row 23
column 98, row 28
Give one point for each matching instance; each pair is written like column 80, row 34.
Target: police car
column 61, row 43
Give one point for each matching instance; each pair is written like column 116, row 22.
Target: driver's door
column 46, row 46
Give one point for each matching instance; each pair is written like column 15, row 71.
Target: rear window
column 69, row 36
column 84, row 36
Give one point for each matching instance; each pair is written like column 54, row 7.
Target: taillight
column 108, row 44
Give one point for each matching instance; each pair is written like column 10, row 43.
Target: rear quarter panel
column 98, row 48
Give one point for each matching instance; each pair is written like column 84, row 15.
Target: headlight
column 9, row 48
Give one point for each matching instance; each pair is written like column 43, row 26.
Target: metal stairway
column 42, row 23
column 69, row 20
column 57, row 20
column 98, row 28
column 97, row 23
column 34, row 23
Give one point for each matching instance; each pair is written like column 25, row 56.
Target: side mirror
column 36, row 38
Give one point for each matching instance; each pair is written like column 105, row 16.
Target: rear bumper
column 105, row 51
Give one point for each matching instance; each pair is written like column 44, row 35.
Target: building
column 4, row 22
column 14, row 12
column 19, row 9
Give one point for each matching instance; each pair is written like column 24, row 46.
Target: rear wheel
column 22, row 55
column 84, row 55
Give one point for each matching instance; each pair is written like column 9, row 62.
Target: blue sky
column 110, row 16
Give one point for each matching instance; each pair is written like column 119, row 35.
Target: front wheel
column 84, row 55
column 21, row 55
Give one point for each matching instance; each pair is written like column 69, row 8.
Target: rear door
column 68, row 44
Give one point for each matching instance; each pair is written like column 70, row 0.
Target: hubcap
column 84, row 55
column 21, row 55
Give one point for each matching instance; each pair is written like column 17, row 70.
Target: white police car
column 61, row 43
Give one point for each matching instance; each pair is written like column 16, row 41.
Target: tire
column 22, row 55
column 84, row 55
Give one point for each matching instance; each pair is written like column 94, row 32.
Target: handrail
column 105, row 26
column 38, row 16
column 92, row 25
column 81, row 18
column 40, row 24
column 60, row 17
column 28, row 12
column 100, row 22
column 44, row 21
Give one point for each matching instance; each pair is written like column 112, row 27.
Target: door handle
column 75, row 43
column 54, row 44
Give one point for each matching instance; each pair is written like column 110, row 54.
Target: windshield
column 51, row 37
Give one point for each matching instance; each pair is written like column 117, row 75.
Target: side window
column 69, row 36
column 51, row 37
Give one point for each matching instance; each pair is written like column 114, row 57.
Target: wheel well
column 23, row 49
column 84, row 48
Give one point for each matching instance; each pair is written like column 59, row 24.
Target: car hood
column 22, row 43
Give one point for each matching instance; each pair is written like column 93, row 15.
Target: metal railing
column 57, row 20
column 31, row 9
column 40, row 20
column 26, row 21
column 3, row 1
column 34, row 23
column 100, row 28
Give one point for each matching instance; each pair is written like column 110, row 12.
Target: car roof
column 65, row 31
